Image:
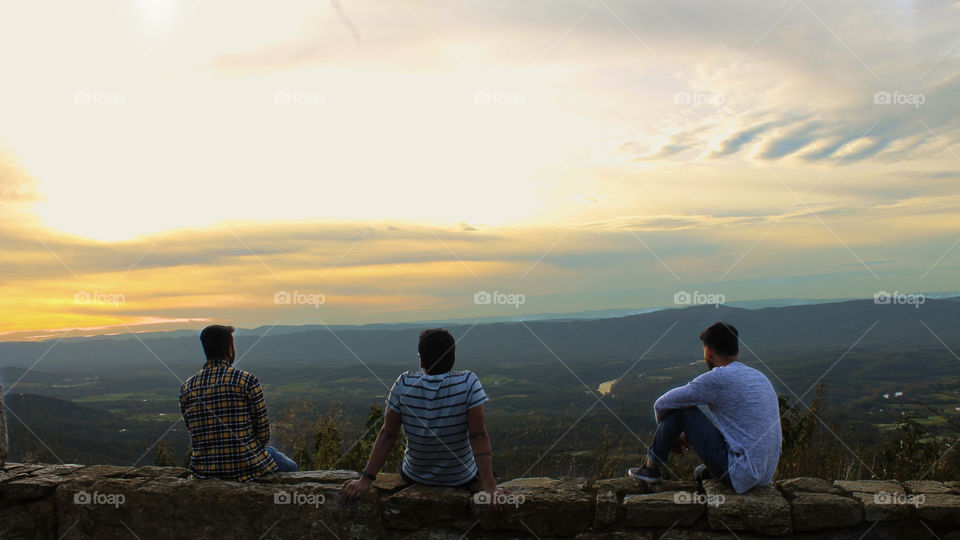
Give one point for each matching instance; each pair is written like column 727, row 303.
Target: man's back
column 434, row 413
column 745, row 409
column 225, row 413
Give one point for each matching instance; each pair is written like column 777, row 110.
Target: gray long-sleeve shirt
column 745, row 409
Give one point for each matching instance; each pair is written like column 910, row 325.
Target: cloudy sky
column 166, row 163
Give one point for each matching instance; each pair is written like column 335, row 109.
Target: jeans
column 284, row 463
column 706, row 439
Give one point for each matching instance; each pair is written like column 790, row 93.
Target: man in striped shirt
column 226, row 416
column 441, row 412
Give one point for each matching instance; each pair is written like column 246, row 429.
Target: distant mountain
column 837, row 324
column 279, row 330
column 538, row 373
column 59, row 430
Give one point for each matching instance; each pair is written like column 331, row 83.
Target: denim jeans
column 284, row 463
column 706, row 439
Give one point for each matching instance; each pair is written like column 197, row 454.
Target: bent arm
column 482, row 447
column 258, row 414
column 700, row 391
column 385, row 441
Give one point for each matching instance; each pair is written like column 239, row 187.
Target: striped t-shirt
column 433, row 409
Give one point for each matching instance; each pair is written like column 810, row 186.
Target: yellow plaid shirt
column 226, row 415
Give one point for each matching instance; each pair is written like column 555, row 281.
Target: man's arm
column 482, row 447
column 381, row 449
column 258, row 412
column 700, row 391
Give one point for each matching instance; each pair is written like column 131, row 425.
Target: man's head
column 217, row 343
column 438, row 351
column 720, row 344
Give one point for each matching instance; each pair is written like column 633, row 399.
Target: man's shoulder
column 226, row 375
column 746, row 374
column 191, row 381
column 243, row 377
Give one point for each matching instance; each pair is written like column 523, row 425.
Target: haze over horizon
column 166, row 163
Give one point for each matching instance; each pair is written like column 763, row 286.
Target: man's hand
column 496, row 496
column 682, row 445
column 353, row 489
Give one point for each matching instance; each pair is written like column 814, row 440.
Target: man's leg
column 284, row 463
column 705, row 438
column 707, row 442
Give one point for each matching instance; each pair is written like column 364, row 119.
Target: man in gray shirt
column 741, row 445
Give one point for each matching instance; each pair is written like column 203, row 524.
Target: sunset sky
column 168, row 163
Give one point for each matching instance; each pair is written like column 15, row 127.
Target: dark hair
column 438, row 351
column 216, row 340
column 722, row 338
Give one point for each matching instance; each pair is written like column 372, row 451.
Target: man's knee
column 679, row 415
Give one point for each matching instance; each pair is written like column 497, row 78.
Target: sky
column 166, row 164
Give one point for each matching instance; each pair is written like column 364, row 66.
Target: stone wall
column 97, row 501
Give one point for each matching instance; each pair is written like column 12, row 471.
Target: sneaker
column 647, row 474
column 702, row 473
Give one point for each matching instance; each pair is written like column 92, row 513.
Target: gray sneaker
column 650, row 475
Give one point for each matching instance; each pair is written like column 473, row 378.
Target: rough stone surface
column 319, row 477
column 29, row 488
column 662, row 509
column 875, row 508
column 389, row 483
column 762, row 509
column 84, row 502
column 819, row 511
column 869, row 486
column 607, row 509
column 169, row 508
column 807, row 484
column 32, row 520
column 618, row 535
column 941, row 509
column 544, row 506
column 418, row 507
column 926, row 486
column 675, row 485
column 622, row 486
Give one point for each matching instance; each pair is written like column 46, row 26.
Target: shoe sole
column 646, row 479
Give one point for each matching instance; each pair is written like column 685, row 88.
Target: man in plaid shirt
column 225, row 413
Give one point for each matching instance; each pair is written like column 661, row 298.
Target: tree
column 326, row 441
column 805, row 451
column 912, row 453
column 356, row 456
column 163, row 455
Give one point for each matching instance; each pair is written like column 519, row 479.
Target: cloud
column 346, row 20
column 17, row 186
